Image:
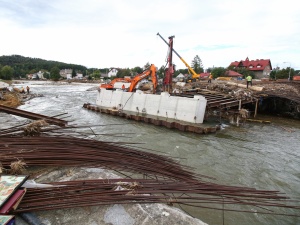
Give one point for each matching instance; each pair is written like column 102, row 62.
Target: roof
column 180, row 75
column 231, row 73
column 253, row 65
column 203, row 75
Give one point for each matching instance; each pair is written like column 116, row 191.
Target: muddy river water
column 262, row 156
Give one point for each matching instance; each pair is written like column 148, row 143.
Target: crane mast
column 169, row 71
column 195, row 76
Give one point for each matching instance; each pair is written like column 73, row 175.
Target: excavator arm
column 111, row 84
column 149, row 72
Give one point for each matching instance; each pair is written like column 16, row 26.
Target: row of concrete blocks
column 185, row 109
column 194, row 128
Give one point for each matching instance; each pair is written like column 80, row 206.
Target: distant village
column 261, row 68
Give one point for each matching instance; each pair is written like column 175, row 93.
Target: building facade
column 260, row 67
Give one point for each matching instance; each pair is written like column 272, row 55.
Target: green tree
column 245, row 72
column 73, row 73
column 273, row 74
column 218, row 72
column 124, row 72
column 54, row 74
column 161, row 72
column 147, row 65
column 284, row 73
column 96, row 74
column 33, row 71
column 6, row 73
column 197, row 64
column 137, row 70
column 46, row 75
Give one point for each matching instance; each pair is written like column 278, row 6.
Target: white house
column 79, row 76
column 66, row 73
column 112, row 72
column 180, row 76
column 40, row 74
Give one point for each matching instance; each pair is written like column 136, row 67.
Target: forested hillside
column 25, row 65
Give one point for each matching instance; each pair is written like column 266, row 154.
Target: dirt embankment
column 14, row 98
column 10, row 98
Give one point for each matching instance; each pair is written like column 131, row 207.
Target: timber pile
column 287, row 90
column 282, row 89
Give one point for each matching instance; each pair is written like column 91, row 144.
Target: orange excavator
column 148, row 72
column 151, row 71
column 110, row 85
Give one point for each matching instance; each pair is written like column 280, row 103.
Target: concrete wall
column 180, row 108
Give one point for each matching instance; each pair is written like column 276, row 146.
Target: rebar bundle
column 71, row 194
column 71, row 151
column 167, row 180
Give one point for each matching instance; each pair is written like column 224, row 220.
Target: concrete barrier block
column 116, row 98
column 182, row 109
column 191, row 109
column 167, row 107
column 152, row 104
column 201, row 106
column 105, row 97
column 126, row 101
column 138, row 102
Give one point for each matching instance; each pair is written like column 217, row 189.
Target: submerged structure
column 174, row 112
column 164, row 105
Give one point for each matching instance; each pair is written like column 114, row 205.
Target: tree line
column 16, row 67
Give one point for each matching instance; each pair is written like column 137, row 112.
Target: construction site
column 196, row 152
column 53, row 148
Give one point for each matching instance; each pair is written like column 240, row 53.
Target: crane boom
column 195, row 75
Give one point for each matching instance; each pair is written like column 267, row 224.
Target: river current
column 262, row 156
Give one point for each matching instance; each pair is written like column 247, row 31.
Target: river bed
column 262, row 156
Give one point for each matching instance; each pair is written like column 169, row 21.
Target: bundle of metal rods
column 170, row 181
column 71, row 194
column 71, row 151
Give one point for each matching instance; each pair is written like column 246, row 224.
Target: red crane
column 169, row 71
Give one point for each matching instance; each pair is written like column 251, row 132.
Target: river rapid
column 262, row 156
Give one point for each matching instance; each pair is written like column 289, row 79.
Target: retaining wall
column 180, row 108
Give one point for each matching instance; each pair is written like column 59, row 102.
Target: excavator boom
column 112, row 83
column 149, row 72
column 133, row 82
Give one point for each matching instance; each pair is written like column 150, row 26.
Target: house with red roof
column 204, row 75
column 231, row 73
column 260, row 67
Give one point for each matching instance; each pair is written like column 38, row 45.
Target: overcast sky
column 123, row 33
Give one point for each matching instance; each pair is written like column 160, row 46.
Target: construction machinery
column 169, row 71
column 110, row 86
column 150, row 72
column 194, row 75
